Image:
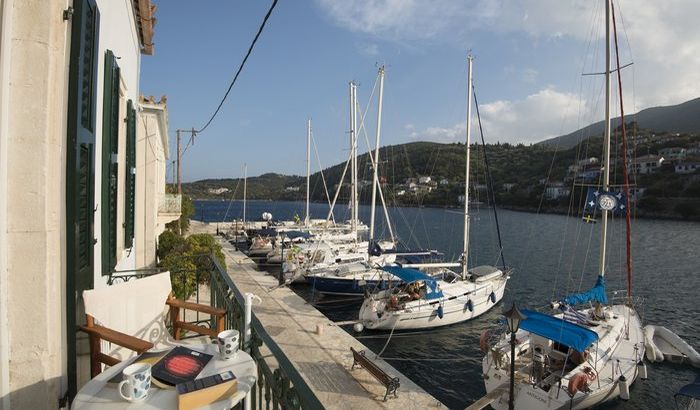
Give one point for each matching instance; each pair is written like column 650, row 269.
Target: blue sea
column 551, row 256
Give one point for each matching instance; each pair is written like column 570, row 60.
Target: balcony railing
column 279, row 384
column 170, row 204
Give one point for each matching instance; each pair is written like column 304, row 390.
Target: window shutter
column 110, row 144
column 130, row 175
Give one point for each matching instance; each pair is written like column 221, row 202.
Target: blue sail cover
column 409, row 275
column 597, row 294
column 558, row 330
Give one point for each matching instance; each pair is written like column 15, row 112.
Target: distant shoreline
column 524, row 209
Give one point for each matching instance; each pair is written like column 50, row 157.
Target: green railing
column 280, row 387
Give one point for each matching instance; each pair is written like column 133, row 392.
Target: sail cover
column 597, row 294
column 409, row 275
column 558, row 330
column 297, row 234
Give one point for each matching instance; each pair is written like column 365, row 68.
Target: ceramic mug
column 228, row 344
column 137, row 380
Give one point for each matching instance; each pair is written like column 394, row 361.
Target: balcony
column 279, row 384
column 169, row 208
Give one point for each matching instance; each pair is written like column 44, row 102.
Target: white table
column 99, row 394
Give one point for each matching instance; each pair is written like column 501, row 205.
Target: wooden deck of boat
column 322, row 358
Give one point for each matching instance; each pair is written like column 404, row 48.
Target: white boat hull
column 628, row 350
column 424, row 314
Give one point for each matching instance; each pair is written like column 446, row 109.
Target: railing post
column 246, row 337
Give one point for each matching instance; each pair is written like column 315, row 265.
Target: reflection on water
column 551, row 255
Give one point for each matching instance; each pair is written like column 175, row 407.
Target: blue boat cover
column 691, row 390
column 297, row 234
column 409, row 275
column 558, row 330
column 597, row 293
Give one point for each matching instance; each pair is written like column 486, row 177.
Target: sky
column 529, row 57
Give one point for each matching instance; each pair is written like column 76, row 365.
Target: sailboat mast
column 245, row 188
column 375, row 166
column 606, row 141
column 353, row 159
column 465, row 251
column 308, row 169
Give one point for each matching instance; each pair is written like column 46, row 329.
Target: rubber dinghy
column 662, row 344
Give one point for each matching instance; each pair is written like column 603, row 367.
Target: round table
column 99, row 394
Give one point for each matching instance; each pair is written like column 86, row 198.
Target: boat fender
column 492, row 296
column 579, row 382
column 642, row 369
column 624, row 388
column 484, row 341
column 470, row 305
column 440, row 312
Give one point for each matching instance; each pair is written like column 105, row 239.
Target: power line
column 240, row 68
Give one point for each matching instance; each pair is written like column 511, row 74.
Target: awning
column 558, row 330
column 597, row 294
column 409, row 275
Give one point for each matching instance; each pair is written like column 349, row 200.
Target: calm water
column 552, row 255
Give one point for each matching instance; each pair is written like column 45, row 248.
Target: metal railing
column 170, row 204
column 279, row 386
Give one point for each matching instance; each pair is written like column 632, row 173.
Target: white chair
column 132, row 317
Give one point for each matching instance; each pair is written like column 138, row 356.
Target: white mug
column 137, row 379
column 228, row 343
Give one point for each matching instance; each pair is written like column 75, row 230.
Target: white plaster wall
column 150, row 164
column 5, row 34
column 117, row 33
column 34, row 128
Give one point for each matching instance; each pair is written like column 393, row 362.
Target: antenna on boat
column 465, row 251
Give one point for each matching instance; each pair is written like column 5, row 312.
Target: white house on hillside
column 646, row 164
column 78, row 180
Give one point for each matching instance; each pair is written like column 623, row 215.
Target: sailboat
column 443, row 297
column 575, row 358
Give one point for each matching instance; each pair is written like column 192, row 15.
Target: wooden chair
column 130, row 318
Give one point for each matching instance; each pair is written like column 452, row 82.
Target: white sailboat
column 444, row 297
column 579, row 358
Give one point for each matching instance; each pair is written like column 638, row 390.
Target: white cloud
column 528, row 120
column 371, row 50
column 662, row 36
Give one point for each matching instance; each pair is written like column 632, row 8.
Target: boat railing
column 279, row 384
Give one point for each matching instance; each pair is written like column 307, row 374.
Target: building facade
column 70, row 187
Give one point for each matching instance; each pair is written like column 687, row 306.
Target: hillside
column 525, row 177
column 682, row 118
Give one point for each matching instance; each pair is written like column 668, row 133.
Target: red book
column 180, row 365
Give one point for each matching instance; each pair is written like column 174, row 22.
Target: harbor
column 349, row 205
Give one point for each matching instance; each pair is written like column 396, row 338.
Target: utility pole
column 179, row 178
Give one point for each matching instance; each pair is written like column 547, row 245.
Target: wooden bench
column 391, row 383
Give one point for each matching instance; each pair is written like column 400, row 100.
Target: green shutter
column 80, row 173
column 110, row 144
column 130, row 175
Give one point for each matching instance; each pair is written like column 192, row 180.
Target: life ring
column 484, row 341
column 577, row 383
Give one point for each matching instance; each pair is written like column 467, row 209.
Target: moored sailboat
column 442, row 297
column 575, row 358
